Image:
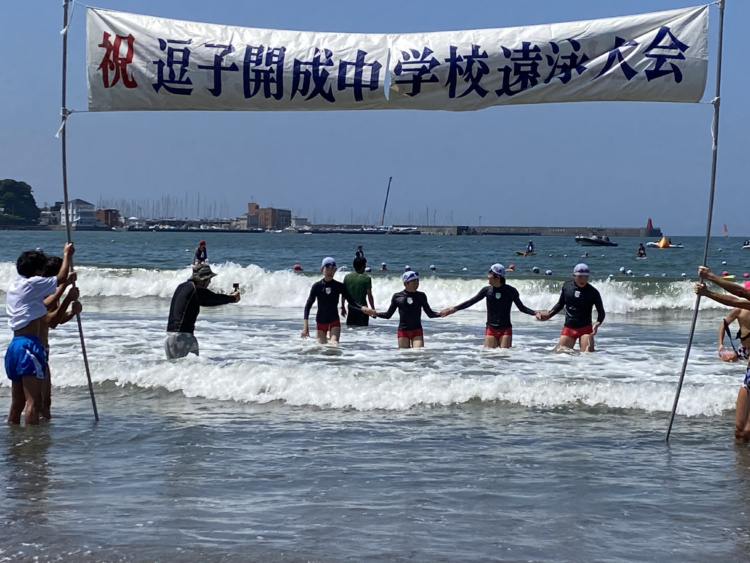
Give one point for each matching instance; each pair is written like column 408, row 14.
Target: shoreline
column 400, row 230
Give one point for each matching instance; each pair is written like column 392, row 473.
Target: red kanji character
column 112, row 61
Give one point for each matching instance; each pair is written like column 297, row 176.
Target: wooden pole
column 65, row 114
column 714, row 155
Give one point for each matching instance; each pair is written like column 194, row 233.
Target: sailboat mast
column 382, row 217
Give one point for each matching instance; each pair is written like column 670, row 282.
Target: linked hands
column 368, row 311
column 542, row 315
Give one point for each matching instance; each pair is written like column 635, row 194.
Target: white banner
column 659, row 57
column 144, row 63
column 140, row 62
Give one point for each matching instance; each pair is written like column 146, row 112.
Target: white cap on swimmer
column 498, row 270
column 328, row 261
column 409, row 276
column 581, row 270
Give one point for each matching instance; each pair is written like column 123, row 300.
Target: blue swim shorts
column 25, row 356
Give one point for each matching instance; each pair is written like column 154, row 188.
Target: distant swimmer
column 359, row 253
column 186, row 304
column 327, row 292
column 432, row 267
column 201, row 255
column 383, row 267
column 297, row 268
column 529, row 248
column 410, row 304
column 407, row 268
column 740, row 299
column 641, row 253
column 578, row 297
column 359, row 285
column 499, row 298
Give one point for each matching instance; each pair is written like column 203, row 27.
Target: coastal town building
column 109, row 217
column 81, row 213
column 50, row 215
column 267, row 218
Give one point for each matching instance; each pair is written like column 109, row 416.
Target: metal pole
column 382, row 218
column 65, row 114
column 714, row 154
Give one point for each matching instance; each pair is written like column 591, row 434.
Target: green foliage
column 18, row 203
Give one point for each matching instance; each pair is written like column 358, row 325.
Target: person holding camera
column 186, row 304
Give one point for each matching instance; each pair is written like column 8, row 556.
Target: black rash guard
column 499, row 302
column 186, row 304
column 578, row 302
column 409, row 305
column 327, row 293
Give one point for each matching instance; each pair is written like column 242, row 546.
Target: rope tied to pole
column 65, row 113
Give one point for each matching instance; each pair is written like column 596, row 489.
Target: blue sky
column 590, row 164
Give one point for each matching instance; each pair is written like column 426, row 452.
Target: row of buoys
column 536, row 270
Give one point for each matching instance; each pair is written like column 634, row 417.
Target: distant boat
column 726, row 231
column 594, row 240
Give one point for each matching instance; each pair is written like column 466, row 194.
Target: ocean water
column 268, row 447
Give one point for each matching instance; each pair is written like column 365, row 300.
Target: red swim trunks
column 410, row 334
column 498, row 332
column 576, row 333
column 328, row 326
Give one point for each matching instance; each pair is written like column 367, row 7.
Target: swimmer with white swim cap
column 410, row 303
column 578, row 297
column 499, row 297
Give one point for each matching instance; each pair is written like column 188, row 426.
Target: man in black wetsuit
column 410, row 304
column 499, row 297
column 183, row 311
column 578, row 297
column 327, row 292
